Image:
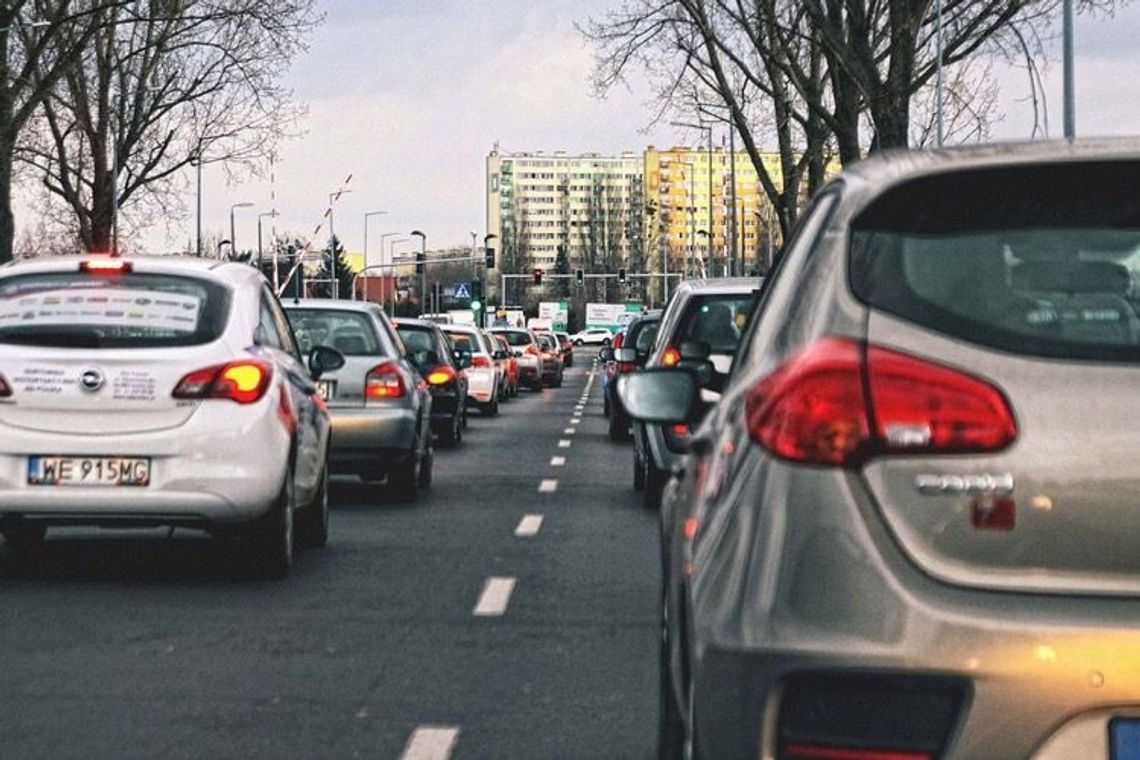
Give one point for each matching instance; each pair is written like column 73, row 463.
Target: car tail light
column 480, row 361
column 384, row 381
column 617, row 341
column 670, row 357
column 442, row 375
column 105, row 265
column 840, row 402
column 5, row 389
column 243, row 381
column 626, row 366
column 532, row 350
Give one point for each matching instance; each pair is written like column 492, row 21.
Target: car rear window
column 420, row 342
column 133, row 310
column 516, row 337
column 464, row 342
column 349, row 332
column 1040, row 260
column 642, row 334
column 716, row 319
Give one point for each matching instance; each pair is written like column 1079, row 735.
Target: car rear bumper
column 371, row 440
column 226, row 464
column 816, row 588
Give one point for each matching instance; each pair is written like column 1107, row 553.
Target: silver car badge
column 91, row 380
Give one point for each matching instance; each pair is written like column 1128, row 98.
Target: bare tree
column 39, row 41
column 160, row 85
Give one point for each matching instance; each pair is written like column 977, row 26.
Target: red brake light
column 819, row 406
column 243, row 381
column 384, row 381
column 105, row 265
column 5, row 389
column 670, row 357
column 532, row 350
column 480, row 361
column 617, row 341
column 441, row 375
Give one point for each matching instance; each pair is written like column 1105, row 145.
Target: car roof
column 865, row 180
column 330, row 304
column 719, row 285
column 220, row 271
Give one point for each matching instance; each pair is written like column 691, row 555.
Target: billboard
column 610, row 315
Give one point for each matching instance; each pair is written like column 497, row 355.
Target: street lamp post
column 423, row 267
column 332, row 241
column 391, row 259
column 233, row 237
column 260, row 253
column 366, row 215
column 708, row 131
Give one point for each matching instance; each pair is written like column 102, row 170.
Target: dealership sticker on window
column 118, row 307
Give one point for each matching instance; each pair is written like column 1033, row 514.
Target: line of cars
column 903, row 521
column 167, row 391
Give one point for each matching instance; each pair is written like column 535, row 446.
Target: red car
column 510, row 366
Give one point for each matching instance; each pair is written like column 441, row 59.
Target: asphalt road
column 144, row 646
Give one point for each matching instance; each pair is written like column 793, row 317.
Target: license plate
column 325, row 388
column 88, row 471
column 1124, row 739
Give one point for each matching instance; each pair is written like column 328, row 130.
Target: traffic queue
column 169, row 391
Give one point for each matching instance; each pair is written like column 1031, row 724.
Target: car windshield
column 349, row 332
column 516, row 337
column 135, row 310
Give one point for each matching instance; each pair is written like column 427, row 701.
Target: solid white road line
column 495, row 597
column 558, row 461
column 529, row 526
column 548, row 485
column 430, row 743
column 564, row 444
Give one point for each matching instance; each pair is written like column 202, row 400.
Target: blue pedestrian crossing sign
column 462, row 290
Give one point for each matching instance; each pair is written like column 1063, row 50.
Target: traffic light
column 489, row 257
column 579, row 277
column 476, row 295
column 621, row 275
column 421, row 258
column 538, row 277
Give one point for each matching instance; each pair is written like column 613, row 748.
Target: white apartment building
column 591, row 204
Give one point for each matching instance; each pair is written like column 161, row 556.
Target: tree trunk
column 891, row 118
column 7, row 219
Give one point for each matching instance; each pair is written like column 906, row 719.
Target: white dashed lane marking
column 529, row 526
column 569, row 431
column 564, row 444
column 430, row 743
column 548, row 486
column 575, row 421
column 495, row 597
column 557, row 461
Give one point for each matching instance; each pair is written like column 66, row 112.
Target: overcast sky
column 409, row 97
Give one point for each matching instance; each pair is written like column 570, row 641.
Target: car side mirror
column 658, row 395
column 324, row 359
column 463, row 358
column 517, row 352
column 606, row 354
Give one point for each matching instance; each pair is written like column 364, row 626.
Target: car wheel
column 670, row 726
column 402, row 481
column 605, row 341
column 491, row 409
column 578, row 342
column 313, row 522
column 23, row 536
column 427, row 465
column 654, row 482
column 619, row 426
column 605, row 405
column 271, row 536
column 638, row 471
column 515, row 389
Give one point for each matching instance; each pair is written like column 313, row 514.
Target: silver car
column 705, row 317
column 909, row 528
column 379, row 404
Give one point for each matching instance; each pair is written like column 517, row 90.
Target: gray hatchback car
column 379, row 404
column 911, row 526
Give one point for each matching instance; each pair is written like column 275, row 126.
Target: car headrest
column 350, row 344
column 1101, row 277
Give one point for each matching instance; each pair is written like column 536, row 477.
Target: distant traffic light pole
column 547, row 276
column 421, row 264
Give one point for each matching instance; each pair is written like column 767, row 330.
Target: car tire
column 427, row 466
column 402, row 481
column 670, row 725
column 638, row 471
column 655, row 480
column 605, row 341
column 619, row 426
column 558, row 382
column 313, row 522
column 491, row 408
column 605, row 405
column 578, row 342
column 23, row 536
column 515, row 389
column 271, row 536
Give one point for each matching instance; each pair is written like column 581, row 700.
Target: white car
column 477, row 353
column 592, row 336
column 159, row 391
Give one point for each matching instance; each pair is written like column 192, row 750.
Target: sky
column 408, row 98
